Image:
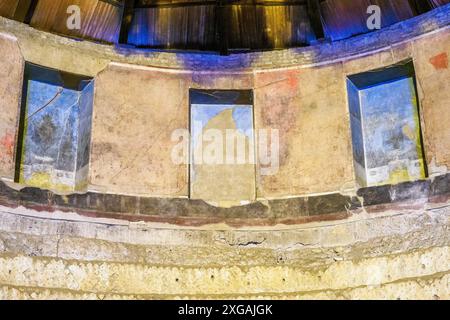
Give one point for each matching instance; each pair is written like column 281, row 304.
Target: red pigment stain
column 285, row 80
column 292, row 78
column 440, row 61
column 7, row 142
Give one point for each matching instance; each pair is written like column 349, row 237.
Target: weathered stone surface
column 129, row 279
column 440, row 184
column 132, row 130
column 11, row 72
column 394, row 245
column 297, row 102
column 412, row 195
column 396, row 255
column 434, row 96
column 403, row 230
column 139, row 279
column 432, row 288
column 292, row 210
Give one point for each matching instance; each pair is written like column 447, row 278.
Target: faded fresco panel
column 432, row 66
column 49, row 150
column 222, row 181
column 383, row 104
column 230, row 177
column 11, row 73
column 308, row 107
column 136, row 112
column 392, row 133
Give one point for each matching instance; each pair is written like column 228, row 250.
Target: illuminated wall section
column 222, row 167
column 55, row 130
column 387, row 143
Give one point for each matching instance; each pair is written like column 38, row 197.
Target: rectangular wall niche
column 55, row 130
column 222, row 169
column 384, row 114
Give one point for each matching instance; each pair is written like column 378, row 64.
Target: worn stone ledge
column 189, row 212
column 140, row 279
column 65, row 236
column 299, row 251
column 394, row 255
column 182, row 211
column 434, row 189
column 431, row 287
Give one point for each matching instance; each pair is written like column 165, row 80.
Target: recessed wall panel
column 55, row 131
column 386, row 134
column 222, row 167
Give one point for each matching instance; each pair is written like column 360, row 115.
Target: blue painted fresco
column 51, row 123
column 57, row 129
column 389, row 112
column 222, row 169
column 243, row 117
column 386, row 132
column 202, row 113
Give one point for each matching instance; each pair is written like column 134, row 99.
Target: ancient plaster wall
column 431, row 57
column 385, row 252
column 133, row 124
column 132, row 128
column 11, row 74
column 307, row 105
column 309, row 109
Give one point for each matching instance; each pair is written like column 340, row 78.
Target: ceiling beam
column 419, row 6
column 168, row 4
column 127, row 18
column 315, row 18
column 222, row 20
column 25, row 10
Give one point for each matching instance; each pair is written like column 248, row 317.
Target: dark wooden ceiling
column 212, row 25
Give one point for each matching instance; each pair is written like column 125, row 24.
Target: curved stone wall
column 311, row 234
column 301, row 92
column 399, row 254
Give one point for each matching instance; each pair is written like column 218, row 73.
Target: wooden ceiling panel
column 178, row 27
column 8, row 8
column 346, row 18
column 221, row 25
column 15, row 9
column 100, row 20
column 197, row 27
column 258, row 27
column 437, row 3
